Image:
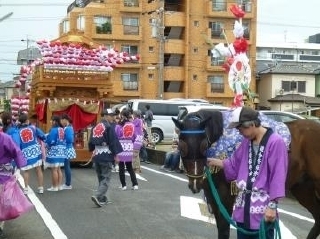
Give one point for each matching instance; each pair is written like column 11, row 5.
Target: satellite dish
column 6, row 16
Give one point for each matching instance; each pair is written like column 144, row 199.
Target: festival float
column 69, row 78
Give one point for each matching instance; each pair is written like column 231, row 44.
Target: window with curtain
column 219, row 5
column 132, row 50
column 217, row 83
column 81, row 23
column 130, row 81
column 130, row 25
column 65, row 26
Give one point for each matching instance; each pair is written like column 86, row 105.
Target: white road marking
column 292, row 214
column 190, row 209
column 138, row 176
column 163, row 173
column 51, row 224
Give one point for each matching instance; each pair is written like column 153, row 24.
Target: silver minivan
column 163, row 111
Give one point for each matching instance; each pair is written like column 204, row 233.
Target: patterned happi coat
column 30, row 146
column 69, row 140
column 130, row 140
column 138, row 123
column 104, row 142
column 56, row 146
column 271, row 167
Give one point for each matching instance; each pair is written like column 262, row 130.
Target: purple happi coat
column 9, row 152
column 130, row 139
column 138, row 123
column 271, row 169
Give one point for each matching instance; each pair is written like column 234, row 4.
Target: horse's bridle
column 196, row 131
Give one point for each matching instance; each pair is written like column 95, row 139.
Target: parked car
column 281, row 116
column 315, row 118
column 163, row 110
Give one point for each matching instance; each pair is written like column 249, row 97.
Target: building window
column 130, row 81
column 150, row 76
column 246, row 30
column 291, row 86
column 246, row 5
column 81, row 23
column 173, row 86
column 216, row 58
column 131, row 3
column 195, row 50
column 65, row 26
column 216, row 29
column 219, row 5
column 131, row 50
column 103, row 24
column 217, row 84
column 130, row 26
column 195, row 77
column 151, row 49
column 196, row 23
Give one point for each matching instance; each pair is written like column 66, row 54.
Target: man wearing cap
column 259, row 166
column 105, row 146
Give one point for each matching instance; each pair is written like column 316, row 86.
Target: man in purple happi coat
column 259, row 166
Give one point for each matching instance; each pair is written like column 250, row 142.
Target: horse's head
column 194, row 139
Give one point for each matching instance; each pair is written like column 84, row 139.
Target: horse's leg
column 305, row 193
column 227, row 200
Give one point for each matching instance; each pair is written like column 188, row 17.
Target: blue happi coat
column 29, row 145
column 56, row 146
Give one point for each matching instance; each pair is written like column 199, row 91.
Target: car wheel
column 156, row 136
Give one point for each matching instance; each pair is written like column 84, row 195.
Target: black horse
column 200, row 129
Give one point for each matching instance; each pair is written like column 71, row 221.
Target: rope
column 263, row 225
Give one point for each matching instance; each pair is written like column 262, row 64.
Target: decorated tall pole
column 236, row 61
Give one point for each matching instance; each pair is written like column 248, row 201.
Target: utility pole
column 158, row 33
column 161, row 47
column 28, row 41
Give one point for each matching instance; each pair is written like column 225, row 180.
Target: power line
column 33, row 4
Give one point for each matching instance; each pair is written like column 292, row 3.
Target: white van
column 163, row 111
column 184, row 110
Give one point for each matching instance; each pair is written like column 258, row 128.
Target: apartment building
column 173, row 39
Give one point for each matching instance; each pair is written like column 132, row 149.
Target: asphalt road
column 163, row 207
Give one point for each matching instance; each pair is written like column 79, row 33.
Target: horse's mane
column 214, row 123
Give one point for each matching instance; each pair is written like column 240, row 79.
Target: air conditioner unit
column 279, row 92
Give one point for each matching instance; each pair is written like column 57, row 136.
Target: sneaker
column 147, row 162
column 40, row 190
column 96, row 201
column 65, row 187
column 135, row 187
column 169, row 170
column 105, row 202
column 53, row 189
column 163, row 167
column 124, row 188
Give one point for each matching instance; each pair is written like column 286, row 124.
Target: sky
column 278, row 21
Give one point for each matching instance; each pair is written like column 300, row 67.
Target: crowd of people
column 118, row 141
column 26, row 147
